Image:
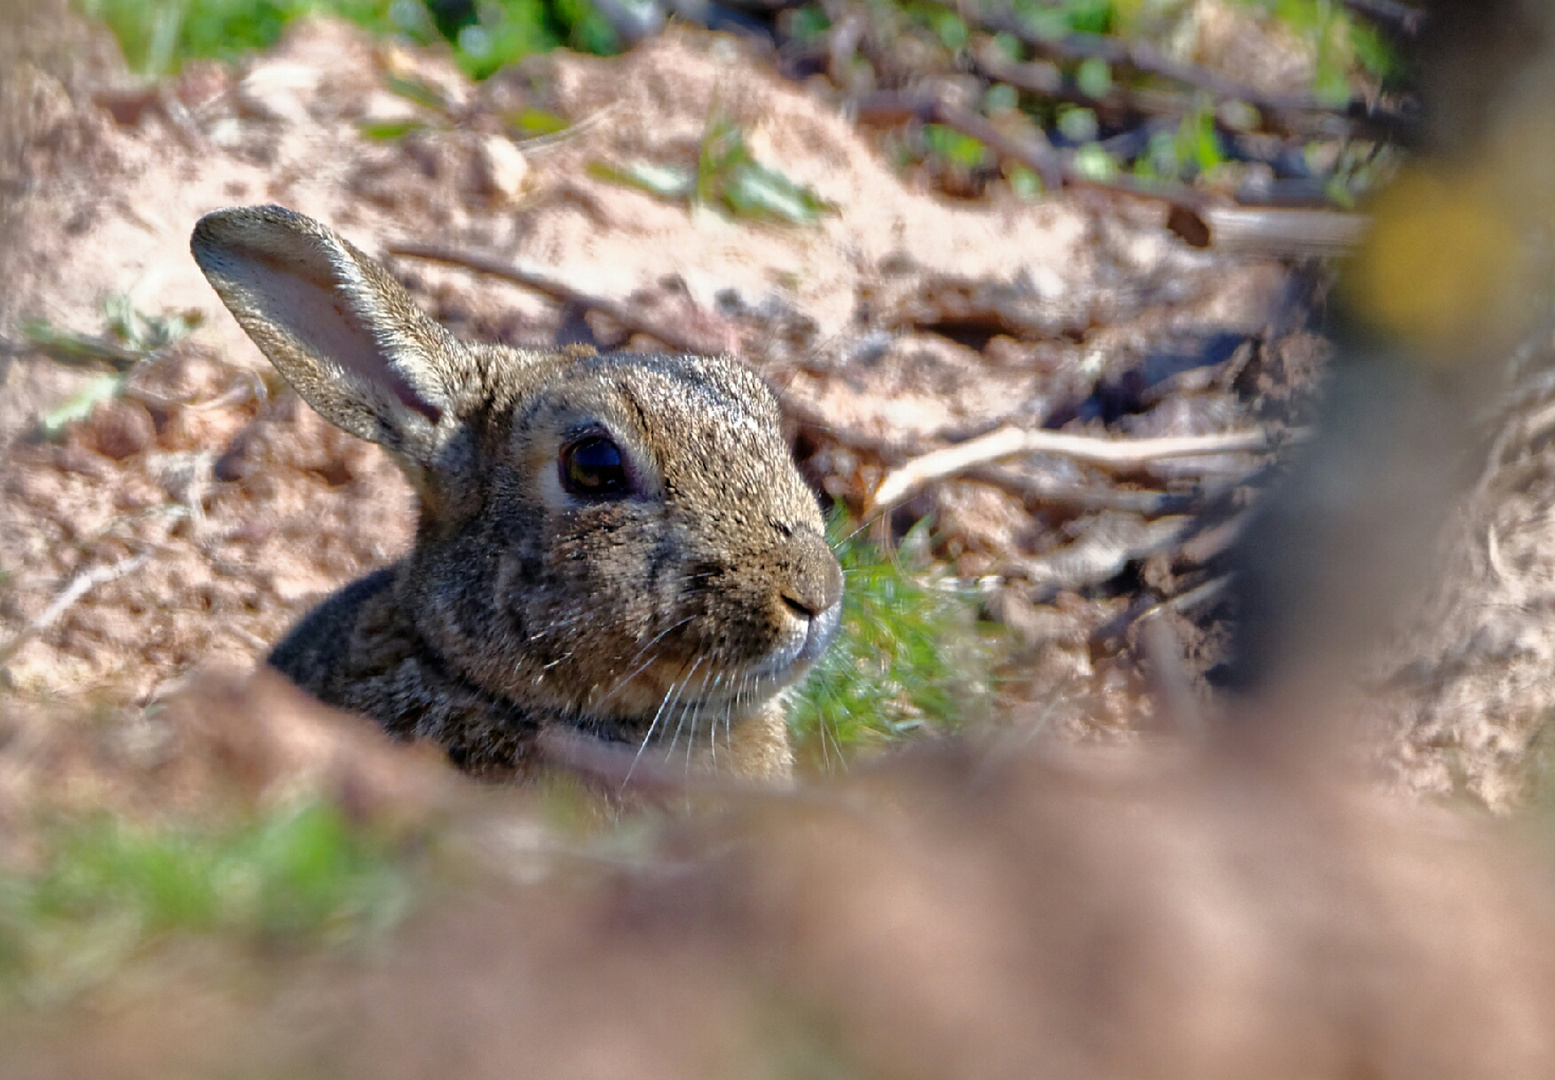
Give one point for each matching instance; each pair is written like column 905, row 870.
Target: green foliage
column 157, row 36
column 108, row 890
column 1094, row 77
column 531, row 123
column 912, row 654
column 1001, row 97
column 727, row 176
column 1340, row 42
column 1192, row 150
column 502, row 32
column 1093, row 162
column 80, row 405
column 954, row 147
column 1051, row 20
column 727, row 173
column 133, row 338
column 806, row 24
column 1077, row 124
column 670, row 182
column 950, row 27
column 1025, row 183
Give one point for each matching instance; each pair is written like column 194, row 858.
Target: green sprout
column 912, row 656
column 109, row 890
column 727, row 176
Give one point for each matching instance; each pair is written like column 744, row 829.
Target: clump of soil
column 1085, row 914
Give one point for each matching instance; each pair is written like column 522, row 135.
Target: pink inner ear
column 319, row 315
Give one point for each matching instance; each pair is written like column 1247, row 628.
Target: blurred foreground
column 974, row 912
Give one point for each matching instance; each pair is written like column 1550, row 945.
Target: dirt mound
column 1086, row 915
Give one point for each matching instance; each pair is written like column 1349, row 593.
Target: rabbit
column 617, row 545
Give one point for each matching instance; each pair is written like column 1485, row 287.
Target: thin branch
column 1148, row 60
column 1035, row 152
column 906, row 481
column 79, row 586
column 1043, row 489
column 1400, row 17
column 1303, row 117
column 1304, row 233
column 632, row 320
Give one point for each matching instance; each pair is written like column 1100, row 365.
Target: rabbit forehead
column 713, row 430
column 686, row 413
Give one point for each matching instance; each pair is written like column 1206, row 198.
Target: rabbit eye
column 594, row 467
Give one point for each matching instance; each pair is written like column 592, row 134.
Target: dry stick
column 1149, row 60
column 1037, row 489
column 79, row 586
column 1301, row 233
column 533, row 279
column 1400, row 17
column 1045, row 80
column 906, row 481
column 1034, row 152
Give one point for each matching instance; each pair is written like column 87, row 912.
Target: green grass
column 727, row 177
column 132, row 338
column 108, row 890
column 158, row 36
column 913, row 656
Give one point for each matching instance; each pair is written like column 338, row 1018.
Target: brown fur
column 643, row 619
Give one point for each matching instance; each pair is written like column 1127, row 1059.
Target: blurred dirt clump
column 1091, row 914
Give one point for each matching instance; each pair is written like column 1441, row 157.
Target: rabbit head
column 618, row 542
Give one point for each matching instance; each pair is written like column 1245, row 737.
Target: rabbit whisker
column 680, row 723
column 712, row 728
column 622, row 682
column 696, row 717
column 648, row 736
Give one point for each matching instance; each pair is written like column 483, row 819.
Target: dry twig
column 635, row 321
column 906, row 481
column 1034, row 153
column 1300, row 233
column 1396, row 16
column 79, row 586
column 1148, row 60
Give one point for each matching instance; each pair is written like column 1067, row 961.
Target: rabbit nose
column 816, row 584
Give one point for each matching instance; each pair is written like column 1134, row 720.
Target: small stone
column 278, row 91
column 503, row 166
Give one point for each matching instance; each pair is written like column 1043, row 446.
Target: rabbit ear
column 343, row 332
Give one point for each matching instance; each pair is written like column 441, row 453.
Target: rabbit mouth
column 807, row 638
column 708, row 680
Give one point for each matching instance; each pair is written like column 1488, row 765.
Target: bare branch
column 79, row 586
column 1396, row 16
column 634, row 320
column 906, row 481
column 1302, row 233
